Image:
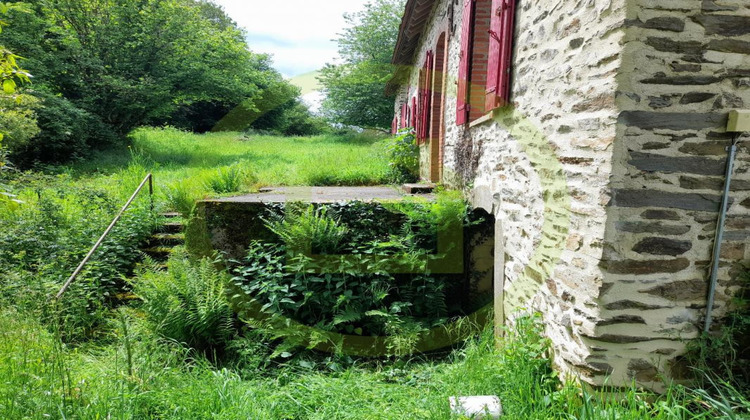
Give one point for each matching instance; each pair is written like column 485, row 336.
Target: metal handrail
column 150, row 180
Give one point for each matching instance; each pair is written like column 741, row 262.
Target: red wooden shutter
column 413, row 118
column 462, row 96
column 507, row 22
column 403, row 115
column 427, row 99
column 394, row 125
column 492, row 100
column 423, row 98
column 418, row 107
column 500, row 54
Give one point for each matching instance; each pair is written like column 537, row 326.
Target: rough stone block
column 677, row 121
column 660, row 215
column 685, row 290
column 662, row 246
column 665, row 23
column 655, row 198
column 652, row 227
column 725, row 25
column 662, row 163
column 639, row 267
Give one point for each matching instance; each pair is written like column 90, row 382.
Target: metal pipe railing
column 716, row 257
column 148, row 180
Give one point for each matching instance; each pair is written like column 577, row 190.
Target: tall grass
column 190, row 167
column 41, row 379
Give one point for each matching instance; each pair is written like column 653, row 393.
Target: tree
column 104, row 67
column 17, row 122
column 355, row 90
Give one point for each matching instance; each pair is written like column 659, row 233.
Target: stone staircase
column 169, row 236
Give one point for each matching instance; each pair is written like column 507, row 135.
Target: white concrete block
column 477, row 407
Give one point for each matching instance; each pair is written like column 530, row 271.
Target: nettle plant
column 329, row 271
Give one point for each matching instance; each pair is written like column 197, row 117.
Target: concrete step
column 167, row 239
column 172, row 227
column 159, row 253
column 418, row 188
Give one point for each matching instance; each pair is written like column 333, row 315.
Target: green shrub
column 182, row 196
column 43, row 239
column 725, row 351
column 229, row 180
column 403, row 158
column 188, row 303
column 18, row 123
column 67, row 132
column 309, row 230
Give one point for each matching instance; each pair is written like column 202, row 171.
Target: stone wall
column 559, row 139
column 686, row 63
column 605, row 177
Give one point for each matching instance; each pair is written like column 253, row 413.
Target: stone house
column 604, row 172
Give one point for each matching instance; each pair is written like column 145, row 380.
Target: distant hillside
column 308, row 82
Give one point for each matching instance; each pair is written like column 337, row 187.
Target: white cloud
column 299, row 33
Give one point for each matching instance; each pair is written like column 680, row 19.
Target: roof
column 412, row 26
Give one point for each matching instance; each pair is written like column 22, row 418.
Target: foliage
column 47, row 235
column 355, row 90
column 42, row 379
column 125, row 64
column 188, row 303
column 725, row 352
column 403, row 158
column 320, row 160
column 66, row 132
column 18, row 124
column 292, row 118
column 182, row 196
column 309, row 230
column 11, row 74
column 378, row 285
column 229, row 179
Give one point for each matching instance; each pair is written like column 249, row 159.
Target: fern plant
column 188, row 303
column 309, row 229
column 229, row 179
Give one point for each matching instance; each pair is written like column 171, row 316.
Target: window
column 424, row 95
column 485, row 63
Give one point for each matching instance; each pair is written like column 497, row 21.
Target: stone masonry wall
column 686, row 63
column 543, row 170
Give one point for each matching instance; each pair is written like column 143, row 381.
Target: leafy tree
column 119, row 64
column 17, row 123
column 355, row 90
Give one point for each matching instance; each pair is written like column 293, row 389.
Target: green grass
column 41, row 379
column 188, row 167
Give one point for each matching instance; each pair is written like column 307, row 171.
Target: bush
column 403, row 158
column 378, row 284
column 188, row 303
column 229, row 179
column 310, row 230
column 43, row 239
column 17, row 120
column 182, row 196
column 67, row 132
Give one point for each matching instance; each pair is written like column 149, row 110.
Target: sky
column 298, row 33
